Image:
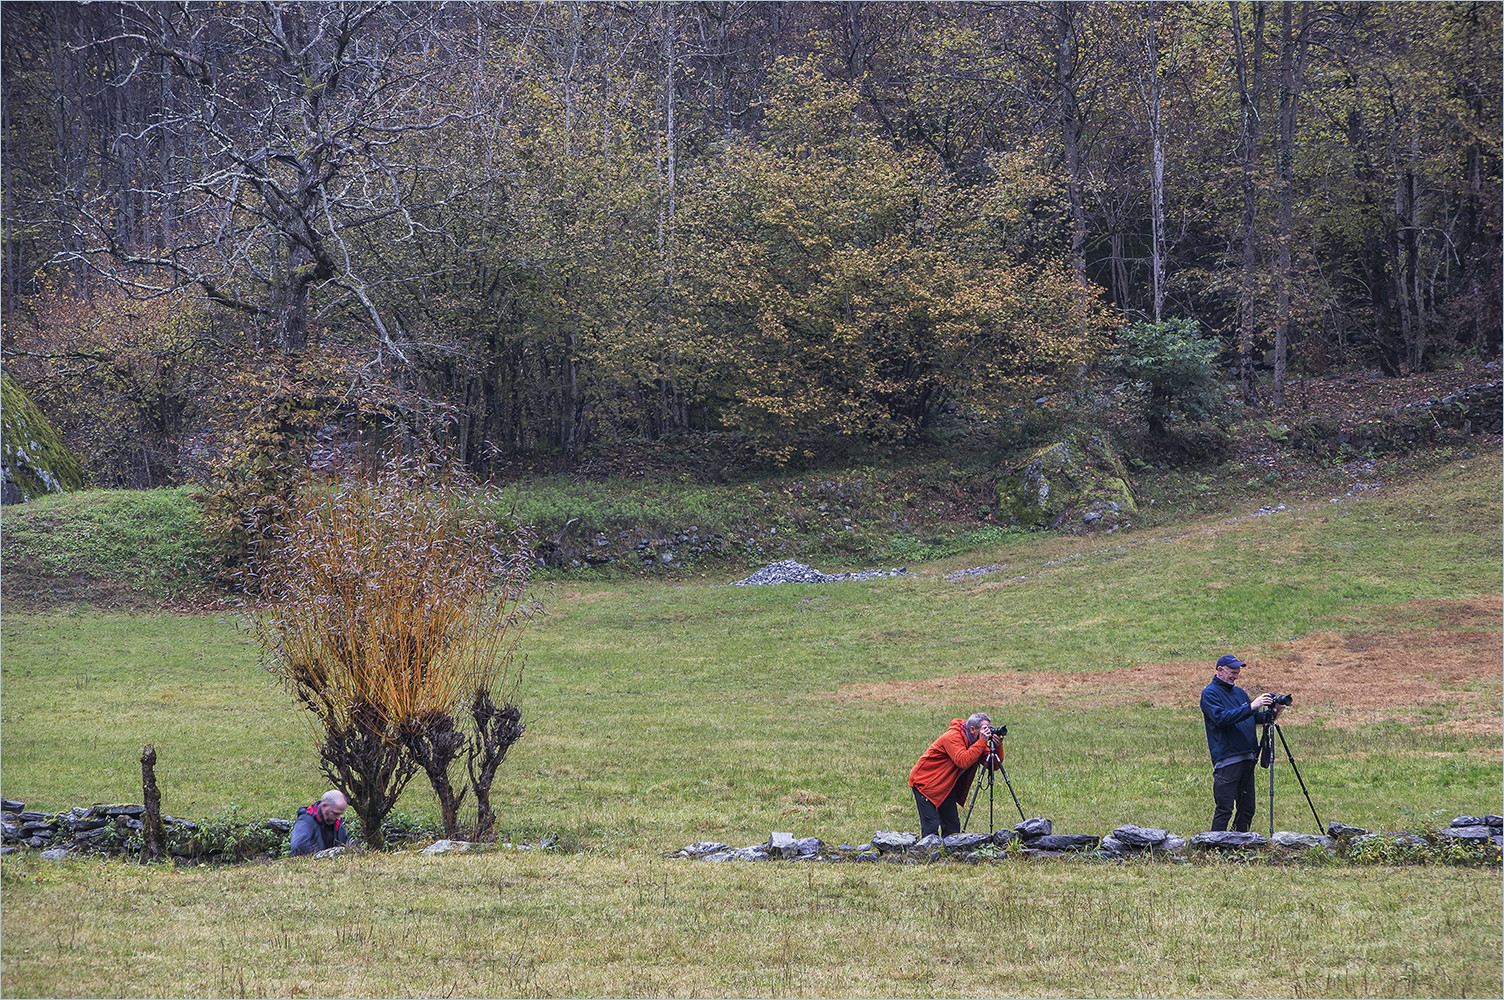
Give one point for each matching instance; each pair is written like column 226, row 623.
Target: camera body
column 1280, row 699
column 998, row 732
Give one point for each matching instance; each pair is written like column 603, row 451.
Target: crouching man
column 320, row 826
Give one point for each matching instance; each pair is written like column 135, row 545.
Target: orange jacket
column 948, row 762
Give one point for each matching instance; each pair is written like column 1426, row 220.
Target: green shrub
column 1174, row 370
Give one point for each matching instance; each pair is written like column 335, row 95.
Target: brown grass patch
column 1444, row 659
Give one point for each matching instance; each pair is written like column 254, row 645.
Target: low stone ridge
column 1036, row 838
column 792, row 571
column 116, row 829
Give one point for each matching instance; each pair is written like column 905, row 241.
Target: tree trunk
column 1291, row 73
column 1157, row 166
column 1064, row 20
column 1249, row 92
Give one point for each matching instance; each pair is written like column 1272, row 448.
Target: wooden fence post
column 151, row 823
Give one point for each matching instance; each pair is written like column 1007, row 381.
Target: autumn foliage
column 390, row 605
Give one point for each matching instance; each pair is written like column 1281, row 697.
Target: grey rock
column 55, row 854
column 1228, row 840
column 279, row 824
column 1003, row 838
column 1472, row 834
column 332, row 852
column 124, row 810
column 1302, row 841
column 9, row 831
column 1493, row 821
column 1172, row 843
column 85, row 825
column 1138, row 836
column 893, row 840
column 1343, row 832
column 441, row 847
column 966, row 841
column 700, row 848
column 33, row 817
column 1064, row 842
column 12, row 806
column 8, row 850
column 1029, row 829
column 782, row 845
column 929, row 842
column 748, row 854
column 809, row 846
column 89, row 836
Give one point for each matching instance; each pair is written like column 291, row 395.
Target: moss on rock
column 35, row 459
column 1076, row 483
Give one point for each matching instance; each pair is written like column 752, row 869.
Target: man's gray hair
column 334, row 798
column 977, row 720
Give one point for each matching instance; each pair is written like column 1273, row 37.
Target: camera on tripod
column 1280, row 699
column 998, row 732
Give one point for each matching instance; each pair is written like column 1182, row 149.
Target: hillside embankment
column 693, row 510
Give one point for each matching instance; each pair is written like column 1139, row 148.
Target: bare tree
column 290, row 134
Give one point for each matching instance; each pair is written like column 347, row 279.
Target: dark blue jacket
column 309, row 836
column 1230, row 721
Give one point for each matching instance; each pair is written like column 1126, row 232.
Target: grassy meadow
column 660, row 714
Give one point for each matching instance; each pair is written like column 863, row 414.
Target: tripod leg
column 1291, row 757
column 976, row 794
column 1266, row 759
column 991, row 819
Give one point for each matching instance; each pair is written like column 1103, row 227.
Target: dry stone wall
column 1036, row 838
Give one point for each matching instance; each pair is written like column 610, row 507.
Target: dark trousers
column 945, row 820
column 1232, row 787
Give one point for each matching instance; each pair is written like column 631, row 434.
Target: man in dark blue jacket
column 320, row 826
column 1233, row 741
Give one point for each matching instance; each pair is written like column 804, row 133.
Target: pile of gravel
column 791, row 571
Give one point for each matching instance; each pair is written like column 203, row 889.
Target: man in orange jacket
column 942, row 777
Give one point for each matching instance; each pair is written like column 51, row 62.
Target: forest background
column 548, row 229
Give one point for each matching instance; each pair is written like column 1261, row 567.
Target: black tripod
column 1266, row 759
column 987, row 762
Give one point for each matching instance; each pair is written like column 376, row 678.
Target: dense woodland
column 551, row 227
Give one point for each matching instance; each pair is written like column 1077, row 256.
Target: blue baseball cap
column 1230, row 661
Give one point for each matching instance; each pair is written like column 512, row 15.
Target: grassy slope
column 659, row 715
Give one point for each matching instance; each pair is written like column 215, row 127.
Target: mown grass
column 513, row 924
column 660, row 715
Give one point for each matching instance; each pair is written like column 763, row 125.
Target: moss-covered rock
column 35, row 460
column 1078, row 483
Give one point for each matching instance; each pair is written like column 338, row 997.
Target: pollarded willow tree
column 390, row 604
